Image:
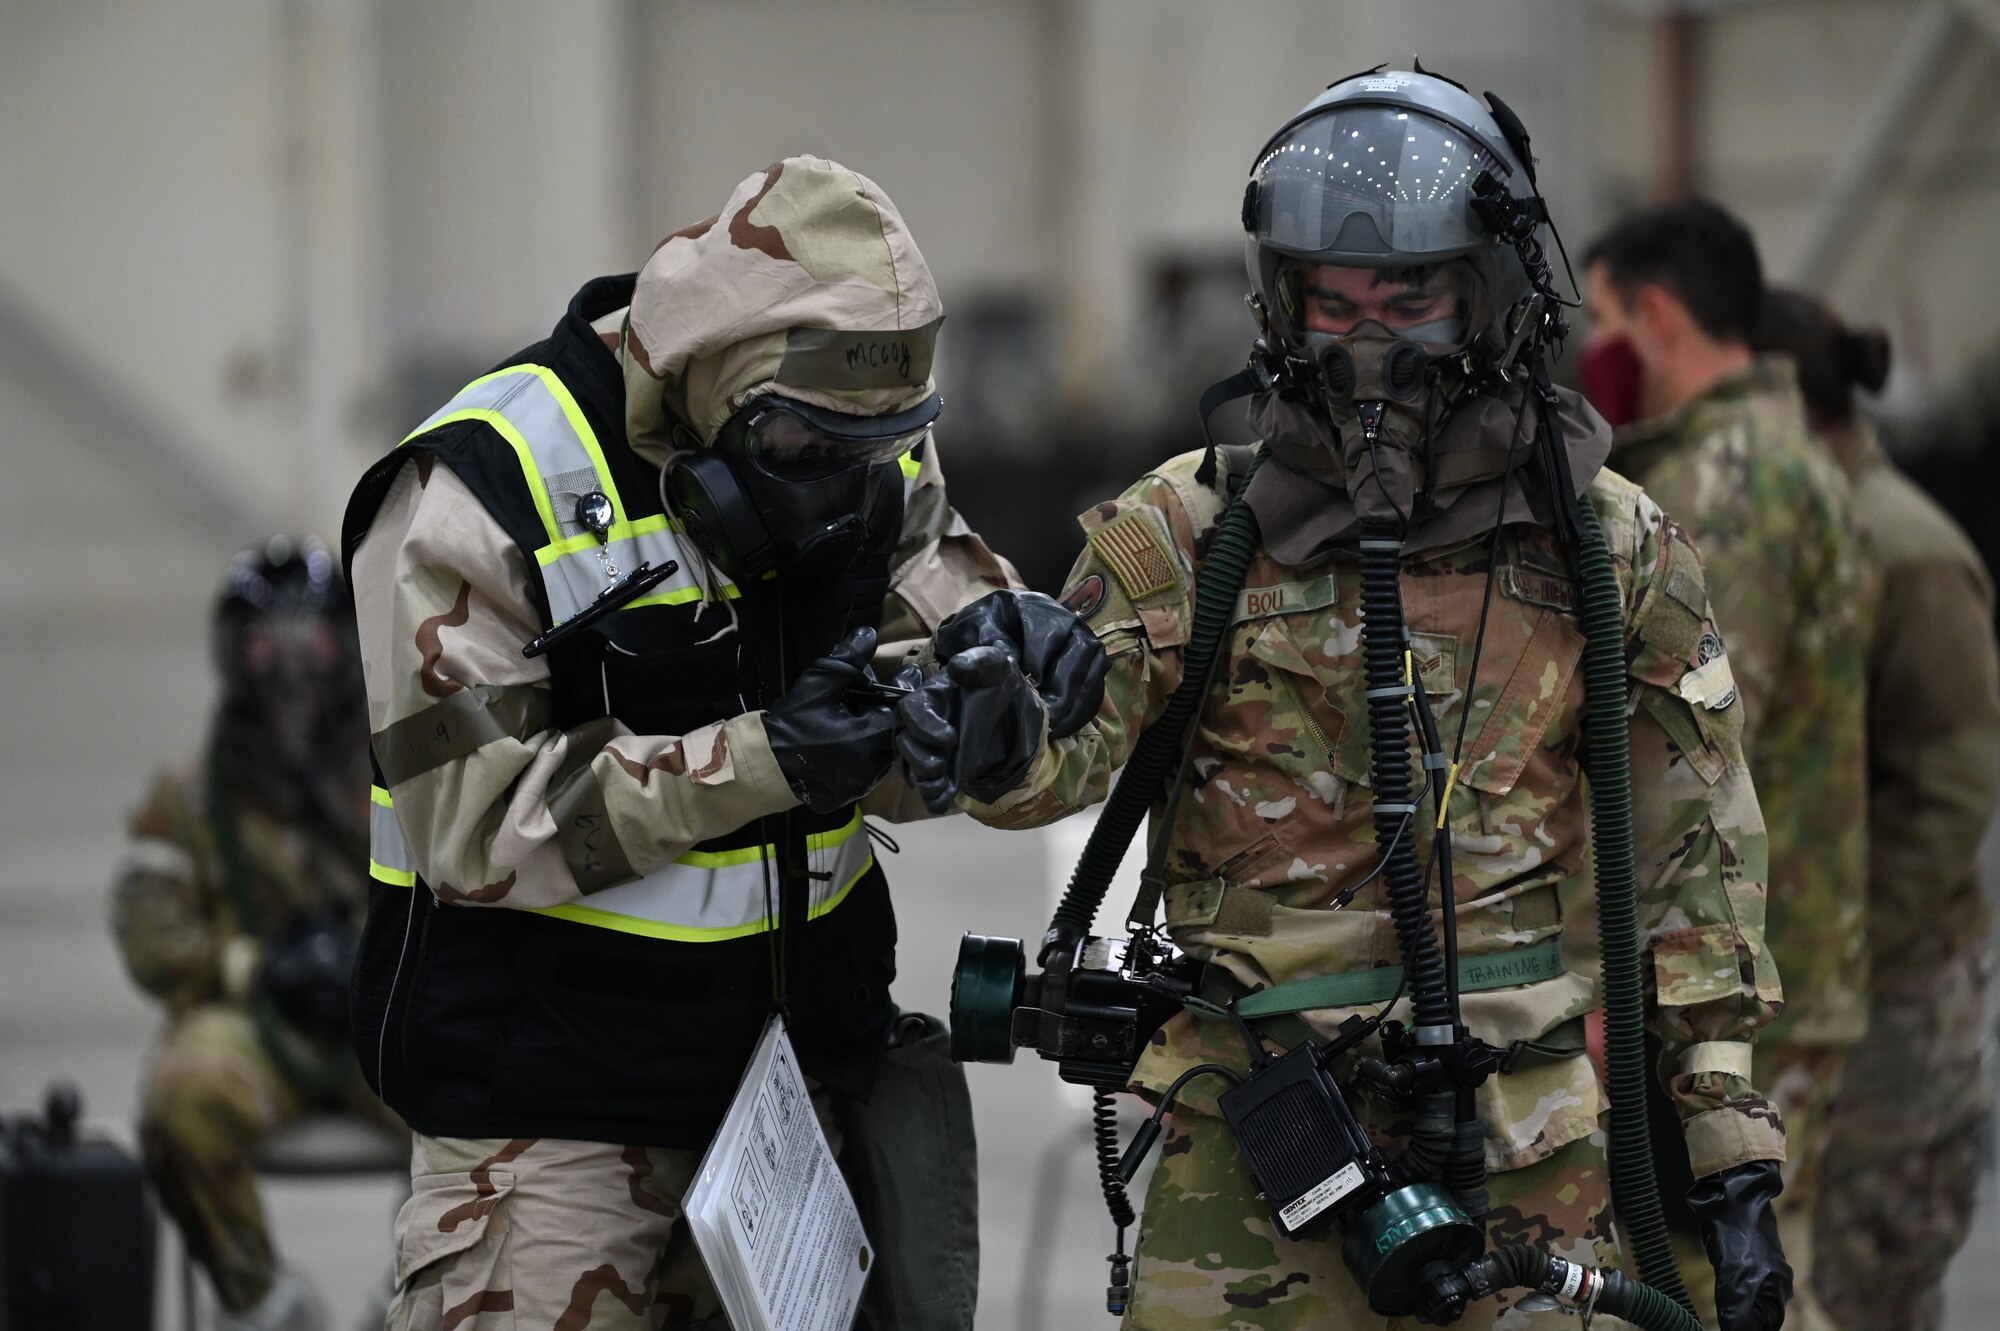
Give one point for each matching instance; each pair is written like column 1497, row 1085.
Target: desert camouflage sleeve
column 1134, row 585
column 1701, row 844
column 166, row 918
column 498, row 807
column 940, row 566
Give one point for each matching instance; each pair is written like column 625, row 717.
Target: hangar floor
column 67, row 1010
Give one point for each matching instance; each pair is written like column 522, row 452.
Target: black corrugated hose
column 1383, row 659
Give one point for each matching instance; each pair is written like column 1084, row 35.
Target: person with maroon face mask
column 1718, row 436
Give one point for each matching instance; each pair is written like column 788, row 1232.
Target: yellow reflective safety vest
column 626, row 1016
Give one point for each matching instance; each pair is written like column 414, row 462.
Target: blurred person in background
column 1718, row 436
column 1952, row 451
column 1395, row 406
column 1898, row 1183
column 239, row 907
column 600, row 867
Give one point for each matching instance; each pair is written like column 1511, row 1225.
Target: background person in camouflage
column 237, row 907
column 1901, row 1170
column 1273, row 838
column 1675, row 293
column 567, row 969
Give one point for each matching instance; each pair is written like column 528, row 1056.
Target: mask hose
column 1608, row 761
column 1389, row 692
column 1593, row 1289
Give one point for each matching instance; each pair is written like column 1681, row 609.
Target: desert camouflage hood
column 806, row 283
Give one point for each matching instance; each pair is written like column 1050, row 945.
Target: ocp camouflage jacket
column 1794, row 593
column 1277, row 819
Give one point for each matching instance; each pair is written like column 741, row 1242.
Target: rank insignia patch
column 1084, row 598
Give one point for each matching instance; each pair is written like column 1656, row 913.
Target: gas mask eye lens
column 787, row 447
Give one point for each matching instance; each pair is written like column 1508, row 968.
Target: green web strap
column 1527, row 965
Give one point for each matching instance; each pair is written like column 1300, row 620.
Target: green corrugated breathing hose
column 1635, row 1188
column 1155, row 755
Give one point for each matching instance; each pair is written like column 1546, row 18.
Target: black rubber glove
column 1056, row 650
column 976, row 726
column 1737, row 1209
column 833, row 749
column 306, row 980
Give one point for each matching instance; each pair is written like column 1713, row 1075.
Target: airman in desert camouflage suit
column 1794, row 590
column 585, row 832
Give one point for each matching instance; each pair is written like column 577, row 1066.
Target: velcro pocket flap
column 1535, row 690
column 1193, row 905
column 1700, row 965
column 1688, row 731
column 1311, row 687
column 446, row 1214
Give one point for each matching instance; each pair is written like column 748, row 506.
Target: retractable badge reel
column 594, row 514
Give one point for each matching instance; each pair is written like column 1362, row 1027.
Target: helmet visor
column 1372, row 185
column 1427, row 303
column 792, row 441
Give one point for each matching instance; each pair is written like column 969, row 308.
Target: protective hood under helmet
column 807, row 284
column 1318, row 490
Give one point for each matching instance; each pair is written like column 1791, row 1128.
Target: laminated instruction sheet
column 770, row 1211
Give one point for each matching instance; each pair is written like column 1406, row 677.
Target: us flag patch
column 1131, row 547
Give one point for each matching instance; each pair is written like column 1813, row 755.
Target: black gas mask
column 794, row 488
column 1375, row 387
column 284, row 645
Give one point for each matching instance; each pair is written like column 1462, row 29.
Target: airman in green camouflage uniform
column 237, row 872
column 1793, row 589
column 1901, row 1171
column 1277, row 824
column 1405, row 313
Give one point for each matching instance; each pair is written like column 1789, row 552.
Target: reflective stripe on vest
column 388, row 850
column 709, row 896
column 561, row 460
column 705, row 896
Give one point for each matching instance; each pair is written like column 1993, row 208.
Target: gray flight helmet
column 1377, row 172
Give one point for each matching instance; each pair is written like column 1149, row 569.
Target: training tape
column 1730, row 1057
